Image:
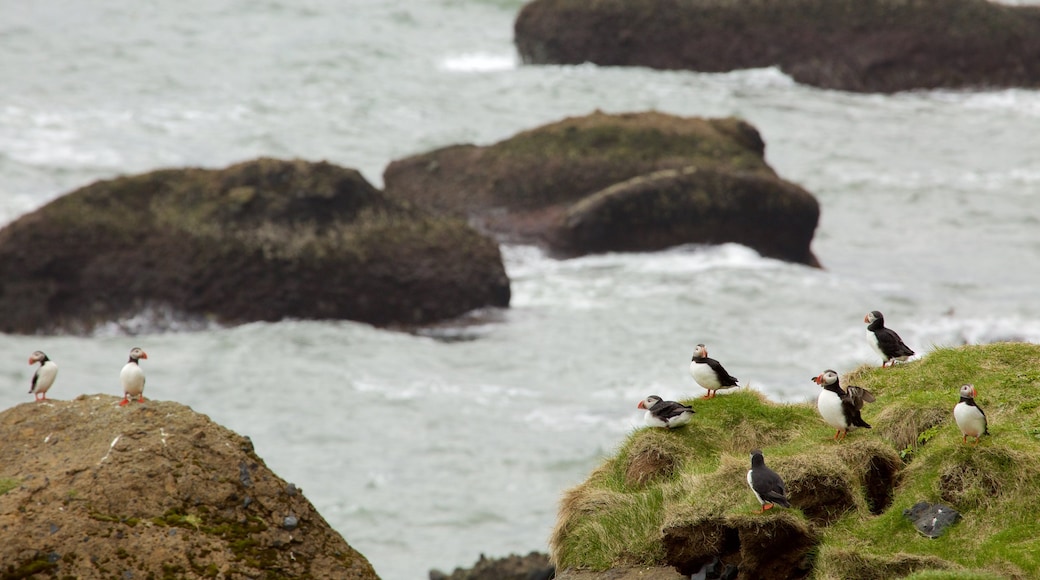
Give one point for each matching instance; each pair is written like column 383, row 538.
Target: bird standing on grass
column 661, row 413
column 766, row 483
column 44, row 376
column 969, row 416
column 885, row 340
column 132, row 377
column 708, row 373
column 841, row 409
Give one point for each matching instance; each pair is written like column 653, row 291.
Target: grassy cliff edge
column 680, row 498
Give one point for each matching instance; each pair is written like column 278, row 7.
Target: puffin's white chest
column 751, row 484
column 704, row 375
column 132, row 378
column 45, row 376
column 829, row 405
column 872, row 340
column 969, row 419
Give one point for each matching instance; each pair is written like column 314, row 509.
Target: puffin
column 885, row 340
column 767, row 485
column 132, row 377
column 969, row 416
column 661, row 413
column 708, row 373
column 839, row 408
column 44, row 376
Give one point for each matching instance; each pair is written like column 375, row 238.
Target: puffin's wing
column 859, row 396
column 891, row 344
column 851, row 412
column 669, row 409
column 36, row 377
column 768, row 485
column 725, row 379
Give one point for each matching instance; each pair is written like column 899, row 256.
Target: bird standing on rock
column 44, row 376
column 969, row 416
column 766, row 483
column 708, row 373
column 661, row 413
column 885, row 340
column 841, row 409
column 132, row 377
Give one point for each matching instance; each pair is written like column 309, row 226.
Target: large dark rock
column 854, row 45
column 262, row 240
column 89, row 489
column 628, row 182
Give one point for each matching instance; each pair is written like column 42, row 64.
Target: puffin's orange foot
column 124, row 402
column 768, row 506
column 140, row 399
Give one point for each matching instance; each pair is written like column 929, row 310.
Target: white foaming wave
column 563, row 420
column 154, row 320
column 479, row 62
column 759, row 78
column 1020, row 101
column 523, row 261
column 953, row 331
column 1005, row 182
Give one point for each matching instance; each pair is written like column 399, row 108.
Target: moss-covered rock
column 855, row 45
column 848, row 496
column 261, row 240
column 152, row 490
column 626, row 182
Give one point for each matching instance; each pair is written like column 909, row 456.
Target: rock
column 930, row 519
column 534, row 566
column 629, row 182
column 261, row 240
column 852, row 45
column 623, row 573
column 109, row 491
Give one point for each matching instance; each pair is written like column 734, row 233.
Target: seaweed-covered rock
column 261, row 240
column 533, row 566
column 627, row 182
column 854, row 45
column 152, row 490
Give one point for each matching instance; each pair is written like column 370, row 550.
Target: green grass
column 662, row 479
column 8, row 483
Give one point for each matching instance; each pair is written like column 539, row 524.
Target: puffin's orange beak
column 973, row 393
column 641, row 405
column 144, row 354
column 818, row 380
column 866, row 317
column 30, row 362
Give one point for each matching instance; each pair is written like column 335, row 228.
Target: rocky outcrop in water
column 853, row 45
column 627, row 182
column 533, row 566
column 262, row 240
column 89, row 489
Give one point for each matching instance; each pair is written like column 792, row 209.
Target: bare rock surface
column 152, row 490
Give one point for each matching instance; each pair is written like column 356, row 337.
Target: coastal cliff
column 679, row 499
column 89, row 489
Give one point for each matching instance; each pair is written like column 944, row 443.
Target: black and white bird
column 708, row 373
column 44, row 376
column 885, row 340
column 132, row 377
column 661, row 413
column 766, row 483
column 839, row 408
column 970, row 418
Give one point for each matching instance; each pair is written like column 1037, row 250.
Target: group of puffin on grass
column 838, row 407
column 131, row 376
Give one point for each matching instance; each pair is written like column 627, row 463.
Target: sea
column 426, row 450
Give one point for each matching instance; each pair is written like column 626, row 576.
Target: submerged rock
column 853, row 45
column 151, row 490
column 534, row 566
column 262, row 240
column 628, row 182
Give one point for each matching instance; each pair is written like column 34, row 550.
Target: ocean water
column 427, row 450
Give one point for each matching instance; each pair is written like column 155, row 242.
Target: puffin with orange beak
column 44, row 376
column 661, row 413
column 969, row 416
column 132, row 377
column 841, row 409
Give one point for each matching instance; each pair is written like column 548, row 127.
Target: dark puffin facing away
column 44, row 376
column 132, row 377
column 767, row 485
column 661, row 413
column 708, row 373
column 969, row 416
column 885, row 340
column 841, row 409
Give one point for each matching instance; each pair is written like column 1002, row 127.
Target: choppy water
column 424, row 452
